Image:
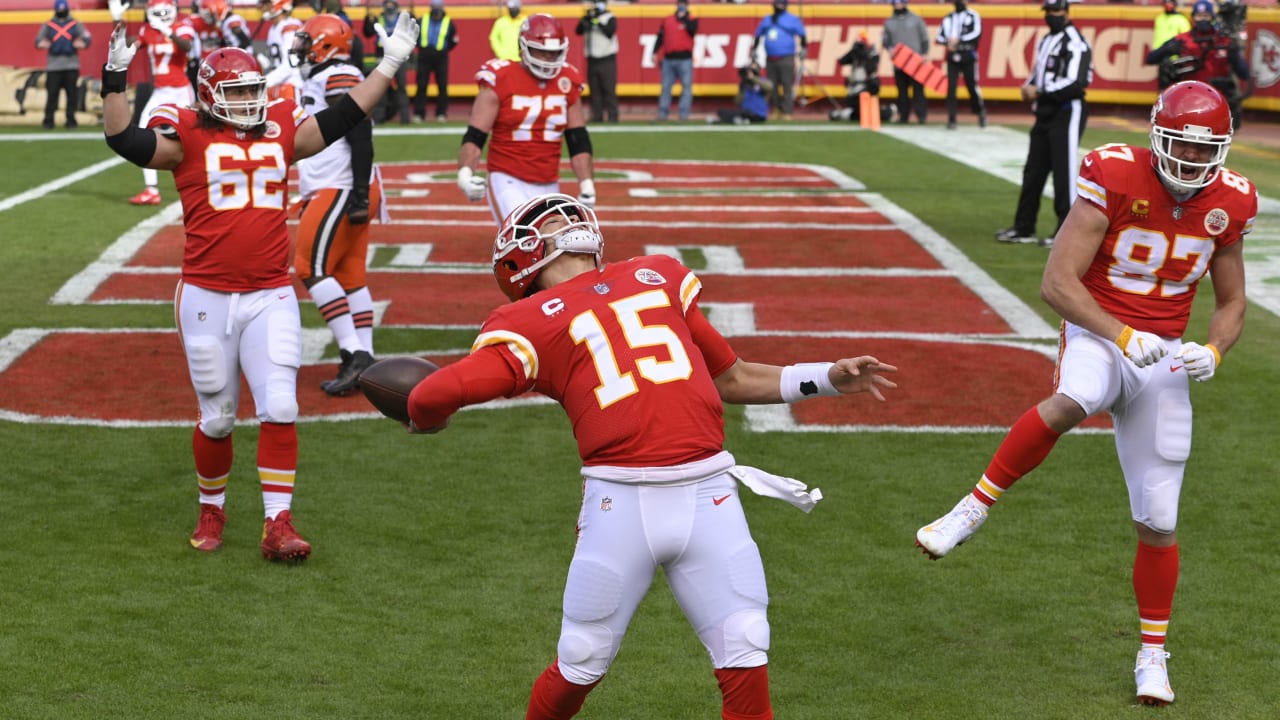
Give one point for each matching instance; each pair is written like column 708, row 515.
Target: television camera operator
column 1211, row 52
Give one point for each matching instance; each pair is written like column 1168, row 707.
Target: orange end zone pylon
column 924, row 72
column 868, row 111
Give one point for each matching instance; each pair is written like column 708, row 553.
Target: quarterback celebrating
column 620, row 345
column 528, row 107
column 1122, row 274
column 235, row 305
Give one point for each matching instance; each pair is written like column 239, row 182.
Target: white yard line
column 54, row 185
column 1001, row 152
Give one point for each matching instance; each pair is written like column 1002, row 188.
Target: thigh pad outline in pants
column 719, row 580
column 1091, row 371
column 1153, row 442
column 209, row 342
column 216, row 382
column 271, row 353
column 611, row 571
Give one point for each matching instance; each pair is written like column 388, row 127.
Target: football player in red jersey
column 235, row 305
column 1148, row 224
column 528, row 107
column 166, row 40
column 643, row 376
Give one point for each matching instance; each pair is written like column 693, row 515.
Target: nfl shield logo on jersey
column 606, row 503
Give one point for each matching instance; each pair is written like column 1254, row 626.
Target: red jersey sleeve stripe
column 163, row 115
column 519, row 346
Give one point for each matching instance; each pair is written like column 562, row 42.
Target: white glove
column 397, row 47
column 1199, row 360
column 587, row 192
column 470, row 184
column 119, row 52
column 117, row 8
column 1143, row 348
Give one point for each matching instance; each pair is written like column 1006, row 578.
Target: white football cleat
column 944, row 534
column 1152, row 675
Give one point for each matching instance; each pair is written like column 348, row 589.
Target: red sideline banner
column 1120, row 37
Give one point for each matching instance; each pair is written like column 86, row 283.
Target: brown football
column 388, row 382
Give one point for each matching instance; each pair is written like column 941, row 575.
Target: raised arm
column 333, row 123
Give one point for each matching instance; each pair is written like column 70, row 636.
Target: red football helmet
column 1189, row 112
column 161, row 11
column 543, row 34
column 521, row 249
column 221, row 81
column 322, row 38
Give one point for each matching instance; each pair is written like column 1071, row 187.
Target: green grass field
column 435, row 587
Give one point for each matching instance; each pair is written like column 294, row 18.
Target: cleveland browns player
column 235, row 305
column 341, row 190
column 643, row 376
column 1147, row 224
column 528, row 107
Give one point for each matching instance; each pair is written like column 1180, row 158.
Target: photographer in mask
column 752, row 103
column 599, row 29
column 863, row 60
column 1208, row 53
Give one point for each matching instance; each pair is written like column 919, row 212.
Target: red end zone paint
column 801, row 261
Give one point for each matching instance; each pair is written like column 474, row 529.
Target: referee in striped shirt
column 960, row 32
column 1063, row 69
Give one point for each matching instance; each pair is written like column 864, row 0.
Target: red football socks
column 554, row 698
column 1026, row 445
column 1155, row 577
column 746, row 693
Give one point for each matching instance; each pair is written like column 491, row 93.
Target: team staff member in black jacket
column 1062, row 71
column 960, row 32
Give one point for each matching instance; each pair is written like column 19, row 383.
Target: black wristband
column 578, row 140
column 113, row 81
column 337, row 120
column 475, row 136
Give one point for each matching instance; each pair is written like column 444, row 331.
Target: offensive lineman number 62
column 236, row 187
